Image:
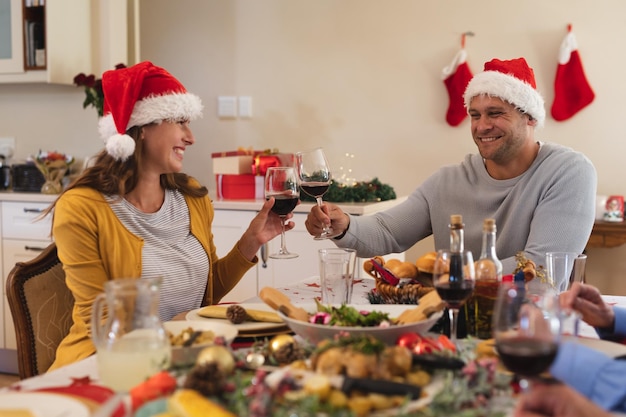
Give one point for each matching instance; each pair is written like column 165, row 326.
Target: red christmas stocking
column 456, row 76
column 572, row 91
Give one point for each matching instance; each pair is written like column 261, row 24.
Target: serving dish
column 315, row 333
column 184, row 356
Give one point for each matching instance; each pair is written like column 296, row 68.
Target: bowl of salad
column 377, row 320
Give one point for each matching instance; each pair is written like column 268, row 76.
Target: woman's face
column 164, row 146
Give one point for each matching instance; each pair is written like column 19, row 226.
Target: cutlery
column 347, row 384
column 433, row 361
column 280, row 302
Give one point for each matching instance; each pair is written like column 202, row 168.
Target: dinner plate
column 43, row 404
column 245, row 327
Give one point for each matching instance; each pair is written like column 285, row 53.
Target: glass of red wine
column 454, row 277
column 526, row 329
column 315, row 178
column 282, row 184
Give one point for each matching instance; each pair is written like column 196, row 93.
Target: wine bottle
column 456, row 250
column 479, row 307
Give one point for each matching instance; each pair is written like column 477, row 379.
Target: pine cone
column 208, row 379
column 288, row 353
column 236, row 314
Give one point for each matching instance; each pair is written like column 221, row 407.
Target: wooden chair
column 41, row 306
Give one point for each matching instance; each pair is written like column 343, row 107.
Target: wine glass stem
column 454, row 314
column 326, row 229
column 283, row 244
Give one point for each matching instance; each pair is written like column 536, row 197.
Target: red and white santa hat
column 512, row 81
column 137, row 96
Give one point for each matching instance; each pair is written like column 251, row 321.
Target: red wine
column 526, row 357
column 284, row 204
column 314, row 189
column 455, row 294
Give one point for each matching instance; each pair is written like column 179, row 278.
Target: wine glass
column 526, row 329
column 282, row 184
column 315, row 177
column 454, row 277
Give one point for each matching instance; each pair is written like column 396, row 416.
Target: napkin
column 219, row 312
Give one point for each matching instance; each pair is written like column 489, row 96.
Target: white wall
column 356, row 76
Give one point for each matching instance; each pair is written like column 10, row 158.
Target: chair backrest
column 41, row 306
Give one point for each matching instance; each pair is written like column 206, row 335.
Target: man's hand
column 556, row 400
column 587, row 300
column 327, row 215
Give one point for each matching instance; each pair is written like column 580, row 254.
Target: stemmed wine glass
column 315, row 177
column 454, row 278
column 282, row 184
column 526, row 329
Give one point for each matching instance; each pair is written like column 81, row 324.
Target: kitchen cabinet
column 75, row 39
column 23, row 237
column 232, row 217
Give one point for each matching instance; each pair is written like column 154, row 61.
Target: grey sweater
column 550, row 207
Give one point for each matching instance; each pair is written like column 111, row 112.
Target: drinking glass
column 454, row 278
column 526, row 329
column 282, row 184
column 315, row 178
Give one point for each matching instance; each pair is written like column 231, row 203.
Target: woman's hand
column 587, row 300
column 556, row 400
column 265, row 226
column 327, row 215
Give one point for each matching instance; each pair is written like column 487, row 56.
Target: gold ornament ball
column 279, row 341
column 219, row 354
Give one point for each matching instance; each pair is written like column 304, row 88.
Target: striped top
column 169, row 251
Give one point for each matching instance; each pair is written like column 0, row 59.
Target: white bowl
column 185, row 356
column 315, row 333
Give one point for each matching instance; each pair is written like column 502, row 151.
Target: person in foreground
column 595, row 381
column 542, row 195
column 134, row 214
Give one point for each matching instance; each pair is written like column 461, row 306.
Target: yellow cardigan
column 94, row 247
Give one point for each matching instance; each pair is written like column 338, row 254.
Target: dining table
column 85, row 372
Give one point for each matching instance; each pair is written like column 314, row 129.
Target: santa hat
column 512, row 81
column 137, row 96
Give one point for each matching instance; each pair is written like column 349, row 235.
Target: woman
column 133, row 213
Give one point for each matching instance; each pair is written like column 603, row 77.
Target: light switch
column 245, row 106
column 227, row 106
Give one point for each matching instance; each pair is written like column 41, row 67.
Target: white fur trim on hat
column 120, row 147
column 513, row 90
column 152, row 109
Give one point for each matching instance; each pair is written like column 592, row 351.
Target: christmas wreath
column 360, row 192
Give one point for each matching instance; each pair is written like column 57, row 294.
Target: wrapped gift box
column 240, row 187
column 249, row 161
column 233, row 162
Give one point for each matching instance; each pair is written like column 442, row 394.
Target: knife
column 433, row 361
column 347, row 384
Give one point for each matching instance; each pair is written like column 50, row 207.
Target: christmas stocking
column 572, row 91
column 456, row 76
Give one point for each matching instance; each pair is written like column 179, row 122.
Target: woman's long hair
column 112, row 177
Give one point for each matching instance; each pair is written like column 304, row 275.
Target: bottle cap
column 489, row 225
column 456, row 219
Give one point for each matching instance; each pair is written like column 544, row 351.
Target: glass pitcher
column 129, row 337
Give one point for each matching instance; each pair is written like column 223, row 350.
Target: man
column 542, row 195
column 595, row 381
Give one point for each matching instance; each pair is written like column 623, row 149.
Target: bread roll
column 401, row 269
column 426, row 262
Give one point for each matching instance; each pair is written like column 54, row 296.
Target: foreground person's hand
column 587, row 300
column 556, row 400
column 328, row 214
